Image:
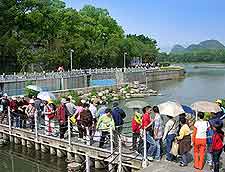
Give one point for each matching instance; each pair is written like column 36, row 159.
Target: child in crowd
column 136, row 127
column 209, row 134
column 217, row 144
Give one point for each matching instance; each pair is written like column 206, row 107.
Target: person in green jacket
column 105, row 122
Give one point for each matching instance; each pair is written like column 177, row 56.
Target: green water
column 199, row 84
column 16, row 158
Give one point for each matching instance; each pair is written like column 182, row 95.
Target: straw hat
column 219, row 101
column 50, row 101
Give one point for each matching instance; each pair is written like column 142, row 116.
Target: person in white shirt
column 70, row 106
column 199, row 141
column 93, row 109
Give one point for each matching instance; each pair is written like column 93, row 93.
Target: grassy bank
column 171, row 68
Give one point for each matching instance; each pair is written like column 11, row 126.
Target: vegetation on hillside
column 205, row 51
column 194, row 56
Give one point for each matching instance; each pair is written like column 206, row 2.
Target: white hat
column 63, row 101
column 22, row 96
column 83, row 101
column 70, row 97
column 5, row 95
column 31, row 101
column 14, row 97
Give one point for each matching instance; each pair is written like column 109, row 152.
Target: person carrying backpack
column 86, row 121
column 217, row 144
column 118, row 116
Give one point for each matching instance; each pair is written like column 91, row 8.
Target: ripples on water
column 17, row 158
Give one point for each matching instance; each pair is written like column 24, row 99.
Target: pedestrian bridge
column 86, row 154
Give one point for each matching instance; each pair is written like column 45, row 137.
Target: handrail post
column 36, row 126
column 69, row 131
column 111, row 148
column 9, row 119
column 145, row 150
column 111, row 140
column 120, row 155
column 88, row 165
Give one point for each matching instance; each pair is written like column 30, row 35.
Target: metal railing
column 67, row 74
column 116, row 154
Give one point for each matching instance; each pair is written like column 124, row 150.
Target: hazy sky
column 168, row 21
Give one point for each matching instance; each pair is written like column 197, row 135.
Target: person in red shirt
column 147, row 125
column 136, row 128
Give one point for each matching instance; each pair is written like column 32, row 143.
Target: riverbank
column 107, row 94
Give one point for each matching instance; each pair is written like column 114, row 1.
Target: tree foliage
column 42, row 32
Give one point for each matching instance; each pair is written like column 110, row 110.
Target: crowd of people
column 51, row 118
column 206, row 137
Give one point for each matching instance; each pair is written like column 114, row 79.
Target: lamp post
column 71, row 59
column 124, row 60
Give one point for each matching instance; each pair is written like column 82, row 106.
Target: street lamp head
column 125, row 53
column 71, row 50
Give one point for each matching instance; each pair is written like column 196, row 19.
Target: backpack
column 86, row 118
column 118, row 116
column 217, row 141
column 209, row 134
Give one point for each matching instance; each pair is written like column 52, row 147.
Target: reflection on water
column 199, row 84
column 16, row 158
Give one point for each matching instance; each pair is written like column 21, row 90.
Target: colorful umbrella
column 187, row 109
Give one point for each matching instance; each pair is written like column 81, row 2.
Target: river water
column 199, row 84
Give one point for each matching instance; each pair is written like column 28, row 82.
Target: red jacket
column 217, row 141
column 13, row 105
column 61, row 114
column 146, row 120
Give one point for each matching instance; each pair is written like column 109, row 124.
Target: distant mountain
column 205, row 45
column 178, row 48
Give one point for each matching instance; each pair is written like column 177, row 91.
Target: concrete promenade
column 165, row 166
